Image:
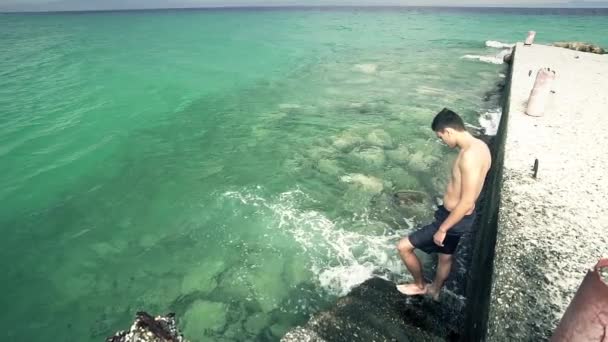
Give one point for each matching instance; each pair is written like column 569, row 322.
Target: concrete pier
column 553, row 228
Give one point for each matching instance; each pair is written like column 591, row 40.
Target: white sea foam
column 490, row 121
column 340, row 259
column 503, row 53
column 496, row 59
column 340, row 279
column 486, row 59
column 498, row 45
column 367, row 68
column 289, row 106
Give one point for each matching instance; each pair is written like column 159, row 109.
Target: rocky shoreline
column 376, row 311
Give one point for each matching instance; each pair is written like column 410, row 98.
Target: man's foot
column 433, row 292
column 412, row 289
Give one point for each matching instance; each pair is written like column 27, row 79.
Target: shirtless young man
column 455, row 217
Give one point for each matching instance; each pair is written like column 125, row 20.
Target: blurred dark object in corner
column 146, row 328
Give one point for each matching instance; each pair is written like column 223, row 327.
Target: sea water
column 236, row 167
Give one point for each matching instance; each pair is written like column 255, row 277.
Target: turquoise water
column 235, row 167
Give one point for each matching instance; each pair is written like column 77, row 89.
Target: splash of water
column 339, row 258
column 495, row 59
column 498, row 45
column 490, row 121
column 485, row 59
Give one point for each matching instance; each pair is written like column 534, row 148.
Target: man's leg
column 444, row 265
column 406, row 251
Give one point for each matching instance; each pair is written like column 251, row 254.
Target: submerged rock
column 398, row 156
column 420, row 162
column 379, row 138
column 412, row 204
column 346, row 141
column 256, row 323
column 202, row 278
column 329, row 167
column 205, row 317
column 401, row 179
column 372, row 157
column 410, row 197
column 267, row 284
column 150, row 329
column 367, row 183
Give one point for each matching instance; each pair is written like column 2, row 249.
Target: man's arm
column 469, row 173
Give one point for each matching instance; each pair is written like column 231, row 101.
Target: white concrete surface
column 554, row 228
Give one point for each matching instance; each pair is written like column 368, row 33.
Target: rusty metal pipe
column 586, row 318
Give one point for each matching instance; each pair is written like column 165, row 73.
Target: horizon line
column 253, row 7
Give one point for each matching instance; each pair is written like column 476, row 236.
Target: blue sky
column 46, row 5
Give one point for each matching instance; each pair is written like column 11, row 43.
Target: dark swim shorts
column 423, row 237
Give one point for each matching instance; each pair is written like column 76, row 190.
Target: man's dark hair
column 446, row 118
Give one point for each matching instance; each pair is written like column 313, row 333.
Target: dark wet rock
column 410, row 197
column 398, row 208
column 494, row 95
column 376, row 311
column 579, row 46
column 146, row 328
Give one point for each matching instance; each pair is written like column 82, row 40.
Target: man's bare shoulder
column 477, row 154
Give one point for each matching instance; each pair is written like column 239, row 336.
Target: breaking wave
column 490, row 120
column 485, row 59
column 340, row 259
column 498, row 45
